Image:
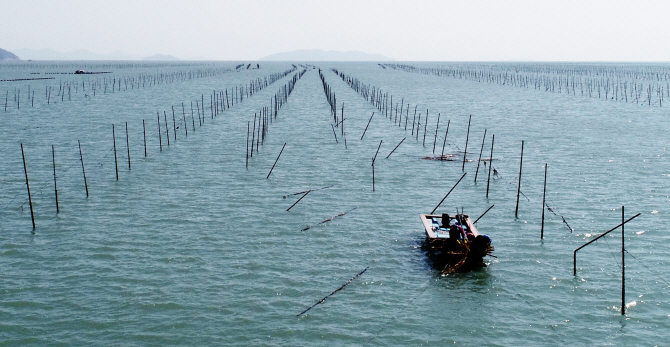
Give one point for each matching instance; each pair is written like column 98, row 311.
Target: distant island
column 161, row 57
column 320, row 55
column 7, row 55
column 50, row 54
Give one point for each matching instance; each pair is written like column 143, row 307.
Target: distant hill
column 320, row 55
column 6, row 55
column 50, row 54
column 162, row 57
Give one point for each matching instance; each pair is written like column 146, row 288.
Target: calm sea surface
column 191, row 247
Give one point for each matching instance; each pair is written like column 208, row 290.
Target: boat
column 454, row 243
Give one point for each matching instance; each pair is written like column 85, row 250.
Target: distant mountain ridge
column 50, row 54
column 7, row 55
column 321, row 55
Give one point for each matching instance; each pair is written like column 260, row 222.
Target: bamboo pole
column 480, row 155
column 467, row 138
column 516, row 211
column 128, row 146
column 366, row 127
column 488, row 182
column 53, row 156
column 396, row 147
column 81, row 157
column 623, row 266
column 446, row 133
column 160, row 141
column 574, row 254
column 544, row 194
column 436, row 129
column 273, row 166
column 452, row 188
column 30, row 200
column 144, row 132
column 116, row 164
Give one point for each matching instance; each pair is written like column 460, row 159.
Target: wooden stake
column 446, row 133
column 81, row 157
column 247, row 164
column 516, row 212
column 574, row 255
column 128, row 146
column 183, row 112
column 53, row 155
column 396, row 147
column 167, row 127
column 273, row 166
column 488, row 182
column 436, row 128
column 466, row 144
column 480, row 155
column 144, row 132
column 30, row 201
column 452, row 188
column 425, row 129
column 160, row 141
column 295, row 203
column 116, row 164
column 366, row 127
column 623, row 266
column 174, row 124
column 544, row 194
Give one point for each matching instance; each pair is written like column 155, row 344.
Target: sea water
column 192, row 247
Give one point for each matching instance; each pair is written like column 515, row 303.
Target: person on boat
column 457, row 233
column 445, row 221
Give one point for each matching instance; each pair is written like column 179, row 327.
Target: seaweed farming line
column 645, row 86
column 383, row 101
column 113, row 84
column 217, row 105
column 332, row 101
column 266, row 115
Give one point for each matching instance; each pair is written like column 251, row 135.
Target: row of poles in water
column 607, row 84
column 219, row 101
column 383, row 102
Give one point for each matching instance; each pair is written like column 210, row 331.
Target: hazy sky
column 402, row 30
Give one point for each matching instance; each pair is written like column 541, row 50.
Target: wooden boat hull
column 455, row 245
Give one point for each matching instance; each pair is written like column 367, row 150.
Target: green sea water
column 192, row 247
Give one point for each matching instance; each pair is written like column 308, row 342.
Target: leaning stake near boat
column 454, row 241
